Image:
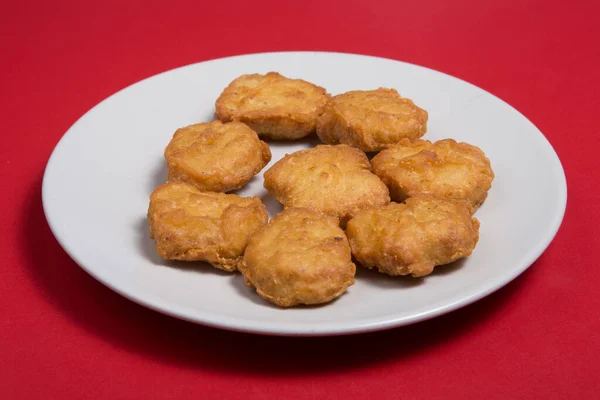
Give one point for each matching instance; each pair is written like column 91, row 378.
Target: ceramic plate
column 101, row 173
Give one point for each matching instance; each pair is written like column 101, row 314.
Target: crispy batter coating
column 190, row 225
column 335, row 180
column 273, row 105
column 412, row 238
column 216, row 157
column 371, row 120
column 301, row 257
column 445, row 169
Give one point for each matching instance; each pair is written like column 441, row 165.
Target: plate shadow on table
column 136, row 329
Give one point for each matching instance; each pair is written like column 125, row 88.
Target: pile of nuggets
column 408, row 209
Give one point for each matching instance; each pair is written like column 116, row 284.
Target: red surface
column 65, row 336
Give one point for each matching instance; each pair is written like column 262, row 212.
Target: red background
column 65, row 336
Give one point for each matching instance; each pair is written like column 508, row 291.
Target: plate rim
column 287, row 329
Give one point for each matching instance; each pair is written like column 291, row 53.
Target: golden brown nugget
column 412, row 238
column 335, row 180
column 190, row 225
column 216, row 157
column 273, row 105
column 371, row 120
column 301, row 257
column 445, row 169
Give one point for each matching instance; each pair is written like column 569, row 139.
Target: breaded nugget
column 371, row 120
column 412, row 238
column 336, row 180
column 190, row 225
column 301, row 257
column 216, row 157
column 445, row 169
column 273, row 105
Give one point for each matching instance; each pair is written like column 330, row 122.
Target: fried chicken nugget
column 273, row 105
column 445, row 169
column 371, row 120
column 190, row 225
column 301, row 257
column 216, row 157
column 412, row 238
column 335, row 180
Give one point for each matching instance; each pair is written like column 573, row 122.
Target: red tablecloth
column 65, row 336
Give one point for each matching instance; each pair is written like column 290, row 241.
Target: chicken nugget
column 190, row 225
column 412, row 238
column 301, row 257
column 371, row 120
column 216, row 157
column 445, row 169
column 273, row 105
column 335, row 180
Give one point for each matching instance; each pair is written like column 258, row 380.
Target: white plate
column 100, row 175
